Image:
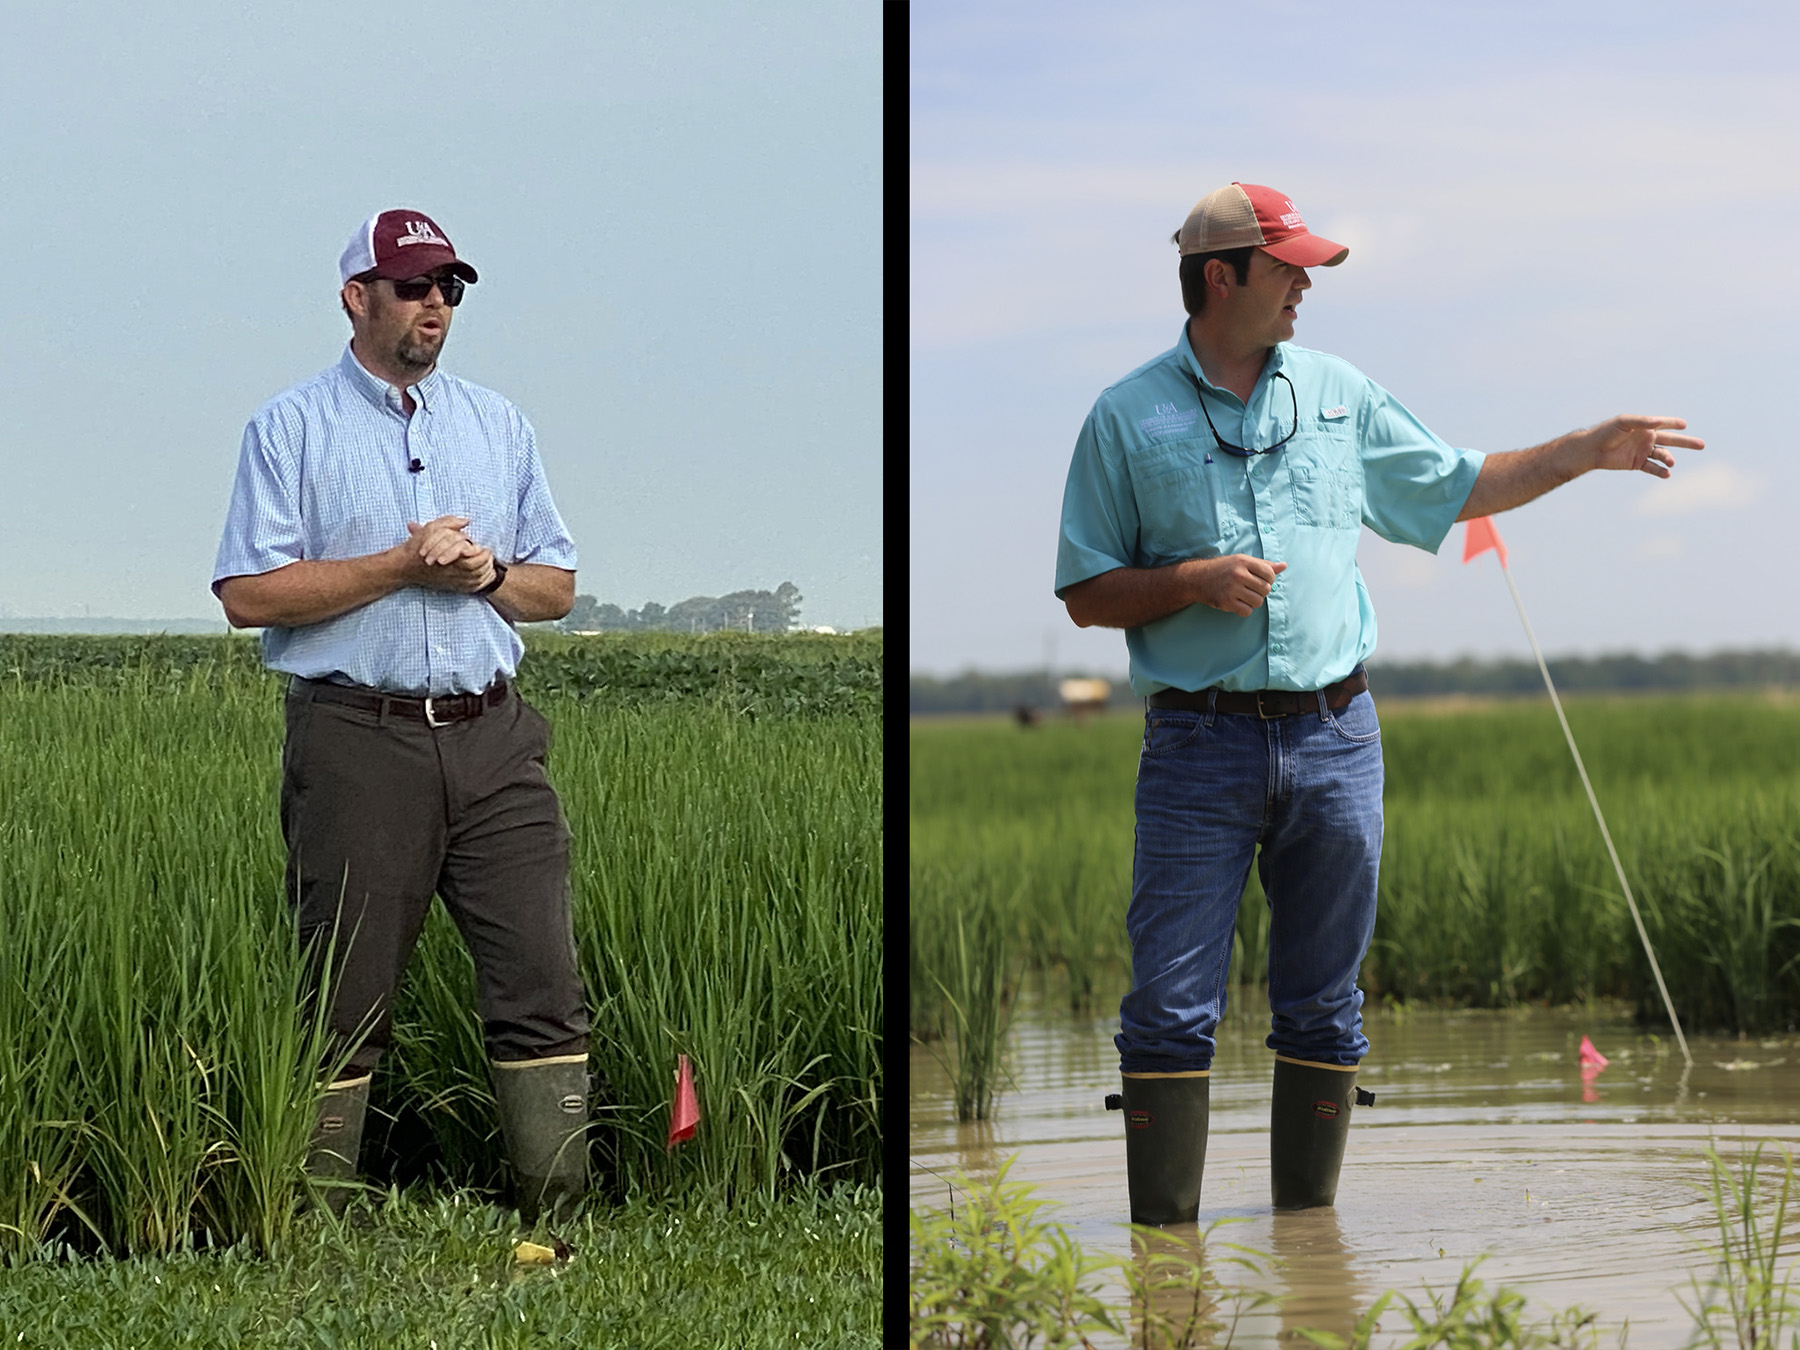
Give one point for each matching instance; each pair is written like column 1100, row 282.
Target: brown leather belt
column 438, row 710
column 1264, row 703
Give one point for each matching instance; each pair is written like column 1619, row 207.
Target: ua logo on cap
column 419, row 232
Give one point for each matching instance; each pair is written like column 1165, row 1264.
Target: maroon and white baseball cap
column 1247, row 215
column 400, row 245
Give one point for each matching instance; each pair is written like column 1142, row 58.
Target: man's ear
column 355, row 298
column 1219, row 278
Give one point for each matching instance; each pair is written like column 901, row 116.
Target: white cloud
column 1699, row 487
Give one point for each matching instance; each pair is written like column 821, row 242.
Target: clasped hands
column 440, row 557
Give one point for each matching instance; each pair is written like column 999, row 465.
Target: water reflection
column 1321, row 1287
column 1485, row 1137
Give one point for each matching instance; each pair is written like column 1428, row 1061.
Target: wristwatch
column 494, row 585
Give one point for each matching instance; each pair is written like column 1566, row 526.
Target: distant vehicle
column 1081, row 697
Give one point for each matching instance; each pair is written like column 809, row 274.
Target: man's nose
column 1301, row 280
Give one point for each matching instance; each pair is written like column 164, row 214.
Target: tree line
column 976, row 691
column 775, row 611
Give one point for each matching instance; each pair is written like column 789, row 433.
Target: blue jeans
column 1302, row 794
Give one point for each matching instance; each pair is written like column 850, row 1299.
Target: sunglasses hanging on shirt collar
column 1239, row 450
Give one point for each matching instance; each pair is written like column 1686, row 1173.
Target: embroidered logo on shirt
column 418, row 232
column 1167, row 420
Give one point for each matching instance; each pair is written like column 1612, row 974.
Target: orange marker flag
column 1478, row 539
column 684, row 1115
column 1479, row 536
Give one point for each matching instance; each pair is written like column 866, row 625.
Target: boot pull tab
column 1115, row 1101
column 1364, row 1097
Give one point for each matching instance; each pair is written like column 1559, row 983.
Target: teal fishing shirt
column 1149, row 486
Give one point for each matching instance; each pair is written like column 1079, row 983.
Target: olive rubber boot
column 544, row 1117
column 337, row 1141
column 1309, row 1122
column 1165, row 1144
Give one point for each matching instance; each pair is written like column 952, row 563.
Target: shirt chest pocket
column 1324, row 477
column 1178, row 516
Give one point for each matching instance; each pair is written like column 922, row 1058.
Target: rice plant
column 1495, row 887
column 1744, row 1304
column 159, row 1070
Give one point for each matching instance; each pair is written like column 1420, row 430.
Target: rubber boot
column 1165, row 1145
column 1309, row 1122
column 544, row 1118
column 337, row 1141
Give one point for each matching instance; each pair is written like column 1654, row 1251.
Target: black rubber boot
column 337, row 1141
column 1309, row 1122
column 1165, row 1146
column 544, row 1117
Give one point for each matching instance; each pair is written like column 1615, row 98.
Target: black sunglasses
column 1239, row 450
column 418, row 288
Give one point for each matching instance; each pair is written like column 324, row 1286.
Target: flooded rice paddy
column 1484, row 1139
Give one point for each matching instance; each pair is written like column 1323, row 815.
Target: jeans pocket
column 1167, row 732
column 1356, row 722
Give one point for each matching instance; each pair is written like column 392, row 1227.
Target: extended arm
column 1511, row 478
column 1130, row 597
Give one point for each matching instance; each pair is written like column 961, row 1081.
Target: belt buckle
column 1266, row 716
column 431, row 716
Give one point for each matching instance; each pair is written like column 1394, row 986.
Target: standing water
column 1485, row 1139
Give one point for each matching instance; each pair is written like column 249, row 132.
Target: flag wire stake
column 1594, row 802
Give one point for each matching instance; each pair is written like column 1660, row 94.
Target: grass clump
column 438, row 1270
column 994, row 1273
column 1468, row 1317
column 1744, row 1305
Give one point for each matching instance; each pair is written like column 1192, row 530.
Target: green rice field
column 1495, row 884
column 157, row 1079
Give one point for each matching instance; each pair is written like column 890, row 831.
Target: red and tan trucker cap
column 400, row 245
column 1245, row 215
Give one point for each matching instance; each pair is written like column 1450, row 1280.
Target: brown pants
column 380, row 812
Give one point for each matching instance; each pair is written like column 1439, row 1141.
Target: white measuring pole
column 1594, row 802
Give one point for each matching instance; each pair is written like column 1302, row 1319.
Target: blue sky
column 1555, row 213
column 675, row 210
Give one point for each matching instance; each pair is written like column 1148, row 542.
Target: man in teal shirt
column 1212, row 511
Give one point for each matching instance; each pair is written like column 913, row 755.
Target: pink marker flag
column 1479, row 535
column 1590, row 1057
column 684, row 1115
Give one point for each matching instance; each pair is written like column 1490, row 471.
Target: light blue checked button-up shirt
column 1149, row 486
column 324, row 473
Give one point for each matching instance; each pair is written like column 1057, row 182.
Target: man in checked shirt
column 388, row 528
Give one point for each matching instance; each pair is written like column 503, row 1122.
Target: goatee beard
column 417, row 354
